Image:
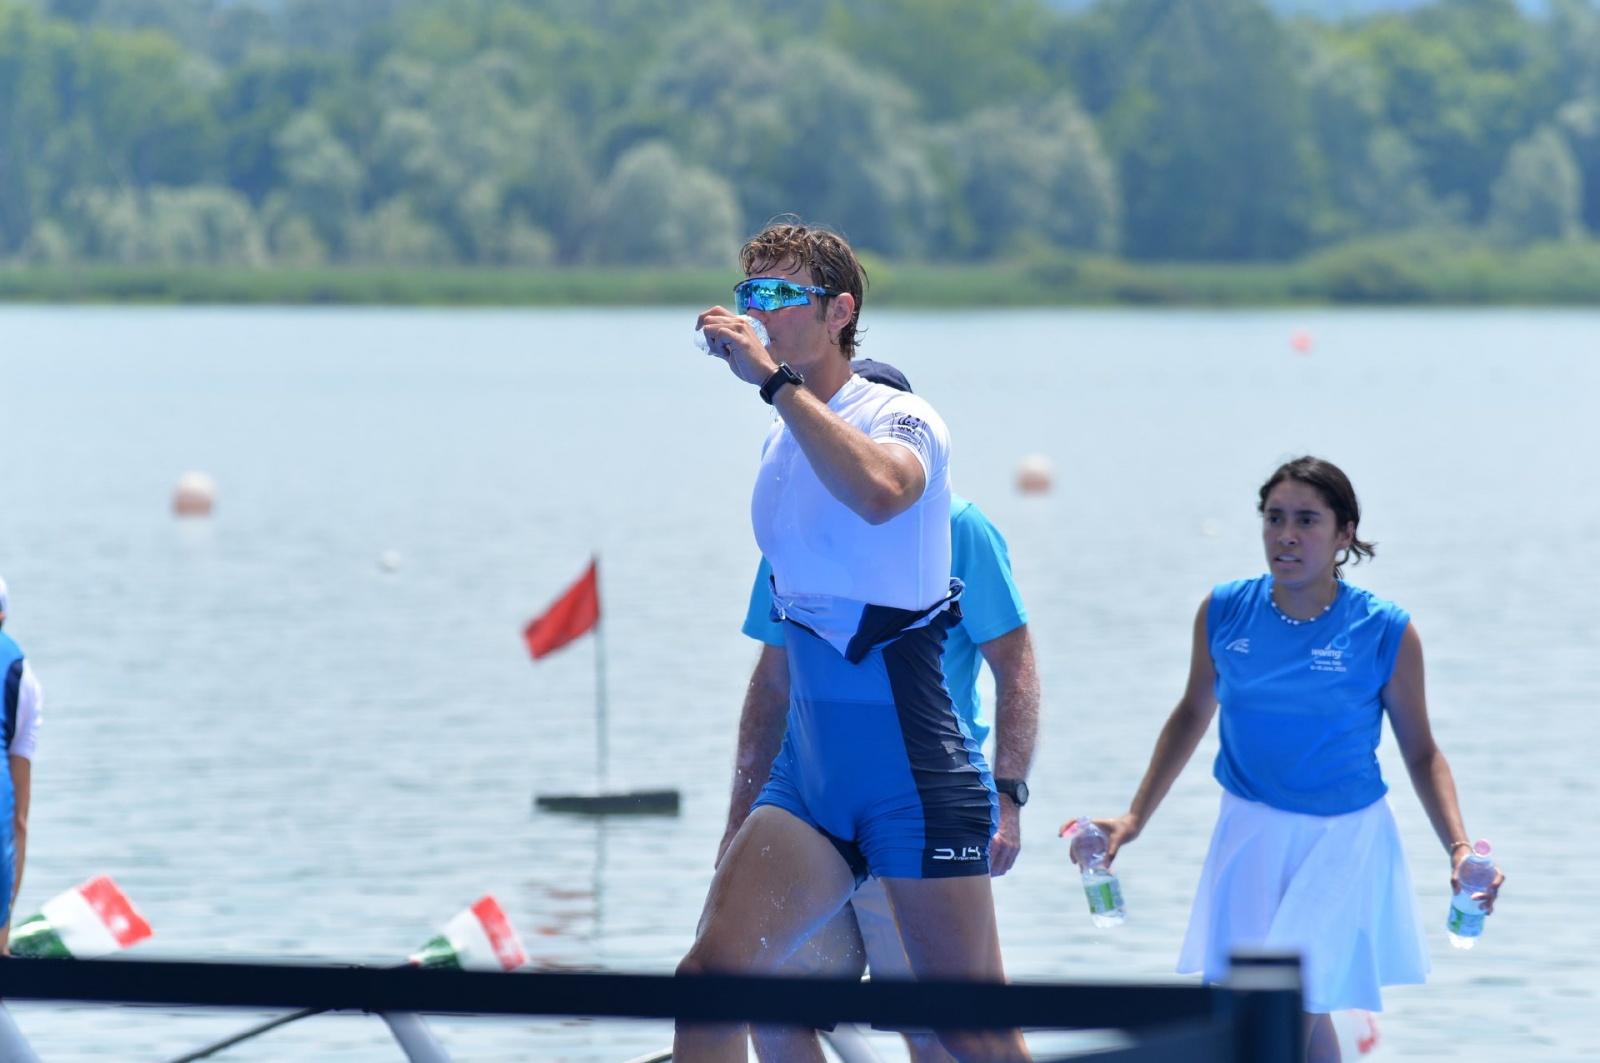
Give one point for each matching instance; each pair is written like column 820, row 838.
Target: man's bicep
column 910, row 466
column 1010, row 654
column 911, row 425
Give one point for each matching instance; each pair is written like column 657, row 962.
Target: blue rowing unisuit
column 991, row 606
column 875, row 757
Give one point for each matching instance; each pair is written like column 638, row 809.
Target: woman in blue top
column 1306, row 855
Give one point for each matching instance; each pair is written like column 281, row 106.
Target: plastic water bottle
column 1476, row 874
column 704, row 344
column 1088, row 851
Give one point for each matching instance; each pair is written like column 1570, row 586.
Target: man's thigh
column 780, row 880
column 947, row 926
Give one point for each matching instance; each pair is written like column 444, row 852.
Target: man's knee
column 702, row 960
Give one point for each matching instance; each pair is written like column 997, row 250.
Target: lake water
column 281, row 750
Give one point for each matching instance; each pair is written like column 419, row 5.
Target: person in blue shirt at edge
column 1306, row 855
column 22, row 701
column 993, row 629
column 876, row 774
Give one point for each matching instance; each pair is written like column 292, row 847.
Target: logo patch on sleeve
column 910, row 431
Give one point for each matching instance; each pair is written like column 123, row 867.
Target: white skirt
column 1335, row 889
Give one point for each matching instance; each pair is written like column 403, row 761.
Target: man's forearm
column 1016, row 712
column 759, row 743
column 761, row 726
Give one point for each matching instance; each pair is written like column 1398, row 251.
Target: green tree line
column 533, row 133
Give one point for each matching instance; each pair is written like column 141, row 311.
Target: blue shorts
column 876, row 758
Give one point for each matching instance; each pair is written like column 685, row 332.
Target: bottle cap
column 1482, row 848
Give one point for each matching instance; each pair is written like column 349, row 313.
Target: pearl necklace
column 1293, row 621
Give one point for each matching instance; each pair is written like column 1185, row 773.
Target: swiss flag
column 574, row 613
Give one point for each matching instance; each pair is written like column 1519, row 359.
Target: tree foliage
column 538, row 132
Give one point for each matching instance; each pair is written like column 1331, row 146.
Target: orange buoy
column 194, row 495
column 1301, row 341
column 1033, row 474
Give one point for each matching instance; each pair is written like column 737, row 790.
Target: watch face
column 1017, row 789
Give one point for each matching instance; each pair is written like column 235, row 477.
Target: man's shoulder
column 873, row 399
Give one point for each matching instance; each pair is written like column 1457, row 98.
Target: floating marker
column 389, row 560
column 480, row 938
column 1302, row 342
column 194, row 495
column 94, row 919
column 1033, row 474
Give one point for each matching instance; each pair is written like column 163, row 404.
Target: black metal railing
column 1254, row 1018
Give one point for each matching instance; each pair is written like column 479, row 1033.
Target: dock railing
column 1255, row 1017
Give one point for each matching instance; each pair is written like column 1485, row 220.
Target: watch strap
column 1016, row 789
column 780, row 376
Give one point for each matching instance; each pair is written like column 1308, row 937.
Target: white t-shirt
column 30, row 708
column 818, row 545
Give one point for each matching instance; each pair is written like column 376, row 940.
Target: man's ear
column 841, row 308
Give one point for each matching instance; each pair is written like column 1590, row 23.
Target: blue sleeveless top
column 1301, row 712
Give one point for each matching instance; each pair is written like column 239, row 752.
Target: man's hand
column 1007, row 841
column 746, row 355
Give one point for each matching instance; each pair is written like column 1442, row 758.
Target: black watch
column 780, row 376
column 1016, row 789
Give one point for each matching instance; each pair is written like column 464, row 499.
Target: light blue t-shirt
column 991, row 606
column 1301, row 704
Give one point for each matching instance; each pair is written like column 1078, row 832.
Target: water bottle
column 701, row 342
column 1088, row 851
column 1476, row 874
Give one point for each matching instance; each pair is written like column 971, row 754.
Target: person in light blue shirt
column 1306, row 855
column 993, row 630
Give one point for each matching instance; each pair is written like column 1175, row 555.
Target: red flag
column 574, row 613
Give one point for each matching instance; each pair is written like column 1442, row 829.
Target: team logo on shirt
column 970, row 852
column 910, row 431
column 1330, row 658
column 1239, row 646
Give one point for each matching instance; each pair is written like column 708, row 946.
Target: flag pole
column 576, row 613
column 601, row 726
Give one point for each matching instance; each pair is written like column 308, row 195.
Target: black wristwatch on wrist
column 780, row 376
column 1016, row 789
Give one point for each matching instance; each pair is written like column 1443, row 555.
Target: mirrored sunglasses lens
column 768, row 295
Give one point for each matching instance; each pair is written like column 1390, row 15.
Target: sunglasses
column 770, row 293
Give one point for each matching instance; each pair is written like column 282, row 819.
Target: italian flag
column 480, row 938
column 94, row 919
